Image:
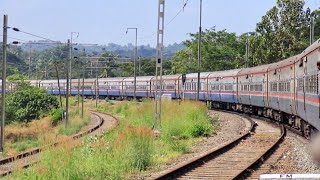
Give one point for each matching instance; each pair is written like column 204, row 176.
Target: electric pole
column 4, row 73
column 311, row 28
column 29, row 70
column 68, row 86
column 158, row 84
column 247, row 52
column 199, row 51
column 139, row 65
column 134, row 63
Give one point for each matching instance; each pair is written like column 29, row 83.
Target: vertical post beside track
column 159, row 56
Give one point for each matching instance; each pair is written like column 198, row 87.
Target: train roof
column 112, row 79
column 254, row 70
column 174, row 76
column 226, row 73
column 195, row 75
column 139, row 78
column 282, row 63
column 309, row 49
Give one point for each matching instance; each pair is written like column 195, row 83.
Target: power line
column 41, row 37
column 172, row 19
column 16, row 38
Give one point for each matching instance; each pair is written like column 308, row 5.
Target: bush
column 29, row 103
column 56, row 115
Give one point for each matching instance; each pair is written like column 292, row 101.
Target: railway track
column 234, row 160
column 31, row 157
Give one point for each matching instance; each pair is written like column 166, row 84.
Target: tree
column 220, row 51
column 281, row 33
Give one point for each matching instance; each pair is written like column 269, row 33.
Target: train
column 286, row 91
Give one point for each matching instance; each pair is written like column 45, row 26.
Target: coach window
column 301, row 63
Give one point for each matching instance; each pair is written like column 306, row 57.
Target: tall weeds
column 129, row 148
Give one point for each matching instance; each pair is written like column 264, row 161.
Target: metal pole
column 311, row 29
column 79, row 92
column 29, row 70
column 4, row 73
column 134, row 63
column 37, row 75
column 90, row 69
column 67, row 90
column 96, row 85
column 70, row 57
column 312, row 37
column 199, row 51
column 247, row 52
column 83, row 74
column 134, row 66
column 139, row 65
column 158, row 93
column 45, row 72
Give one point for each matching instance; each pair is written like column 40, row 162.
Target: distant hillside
column 124, row 51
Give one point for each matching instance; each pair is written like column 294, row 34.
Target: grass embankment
column 22, row 136
column 129, row 148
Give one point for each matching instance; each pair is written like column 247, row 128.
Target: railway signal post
column 158, row 84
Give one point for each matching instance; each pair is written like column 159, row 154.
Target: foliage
column 28, row 103
column 74, row 125
column 129, row 148
column 220, row 51
column 56, row 115
column 23, row 144
column 281, row 33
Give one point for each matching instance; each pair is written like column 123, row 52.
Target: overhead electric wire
column 16, row 38
column 38, row 36
column 172, row 19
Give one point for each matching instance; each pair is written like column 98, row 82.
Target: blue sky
column 105, row 21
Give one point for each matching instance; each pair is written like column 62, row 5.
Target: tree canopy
column 282, row 32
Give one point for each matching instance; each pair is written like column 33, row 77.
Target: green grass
column 23, row 144
column 74, row 125
column 129, row 148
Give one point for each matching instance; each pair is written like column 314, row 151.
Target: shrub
column 56, row 115
column 29, row 103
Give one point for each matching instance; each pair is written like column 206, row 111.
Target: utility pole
column 83, row 74
column 158, row 87
column 311, row 28
column 79, row 76
column 90, row 69
column 45, row 72
column 247, row 52
column 37, row 75
column 97, row 85
column 139, row 65
column 29, row 70
column 4, row 73
column 67, row 90
column 199, row 51
column 70, row 56
column 134, row 63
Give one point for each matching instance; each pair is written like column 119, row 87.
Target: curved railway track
column 234, row 160
column 31, row 157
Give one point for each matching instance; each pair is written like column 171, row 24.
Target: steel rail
column 195, row 162
column 35, row 151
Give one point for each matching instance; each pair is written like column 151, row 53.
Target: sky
column 106, row 21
